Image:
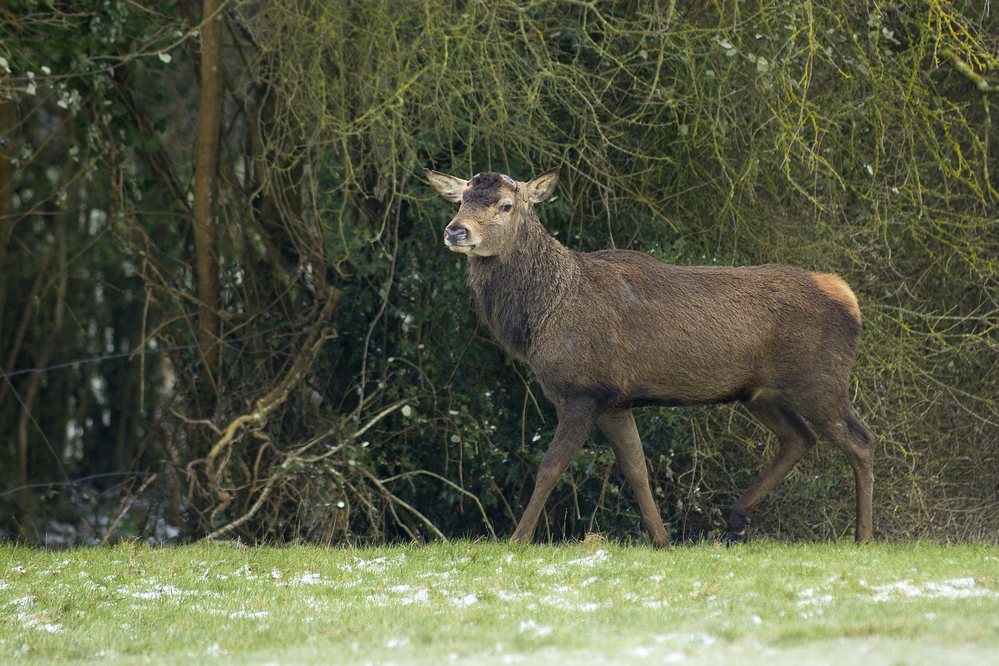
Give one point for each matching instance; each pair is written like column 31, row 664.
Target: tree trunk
column 206, row 160
column 8, row 124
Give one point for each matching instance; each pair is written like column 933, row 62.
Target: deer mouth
column 460, row 249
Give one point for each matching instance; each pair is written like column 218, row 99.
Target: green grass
column 493, row 603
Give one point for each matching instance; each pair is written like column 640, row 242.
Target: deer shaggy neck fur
column 519, row 290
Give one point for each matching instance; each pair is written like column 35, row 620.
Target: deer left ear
column 540, row 188
column 447, row 186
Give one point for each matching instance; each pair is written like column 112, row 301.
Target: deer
column 605, row 332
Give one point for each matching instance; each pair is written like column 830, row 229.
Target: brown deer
column 611, row 330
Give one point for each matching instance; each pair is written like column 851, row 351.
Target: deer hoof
column 737, row 524
column 734, row 538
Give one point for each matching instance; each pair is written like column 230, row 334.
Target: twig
column 125, row 509
column 246, row 516
column 406, row 505
column 964, row 68
column 452, row 484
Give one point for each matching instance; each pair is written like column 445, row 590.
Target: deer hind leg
column 574, row 425
column 858, row 445
column 618, row 426
column 840, row 425
column 795, row 440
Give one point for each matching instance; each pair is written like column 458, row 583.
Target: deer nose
column 455, row 235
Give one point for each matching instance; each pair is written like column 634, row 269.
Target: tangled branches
column 348, row 393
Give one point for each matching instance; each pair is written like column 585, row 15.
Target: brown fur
column 835, row 288
column 606, row 331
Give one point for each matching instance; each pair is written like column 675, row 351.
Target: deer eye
column 506, row 208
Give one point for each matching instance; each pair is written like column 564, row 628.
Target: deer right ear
column 447, row 186
column 542, row 187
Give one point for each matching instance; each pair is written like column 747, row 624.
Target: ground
column 496, row 603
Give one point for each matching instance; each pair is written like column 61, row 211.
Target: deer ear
column 541, row 187
column 447, row 186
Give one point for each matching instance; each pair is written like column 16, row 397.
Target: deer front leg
column 618, row 425
column 574, row 425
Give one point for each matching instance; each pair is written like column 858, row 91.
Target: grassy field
column 493, row 603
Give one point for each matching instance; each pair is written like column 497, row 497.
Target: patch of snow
column 30, row 622
column 23, row 601
column 537, row 630
column 639, row 652
column 588, row 561
column 4, row 585
column 308, row 578
column 401, row 641
column 443, row 575
column 510, row 596
column 812, row 603
column 954, row 588
column 375, row 565
column 695, row 638
column 157, row 592
column 252, row 615
column 421, row 596
column 466, row 600
column 242, row 572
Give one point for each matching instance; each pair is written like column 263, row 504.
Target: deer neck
column 518, row 291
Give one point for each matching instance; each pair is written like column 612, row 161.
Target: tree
column 206, row 157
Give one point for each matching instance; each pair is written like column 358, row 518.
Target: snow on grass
column 466, row 600
column 560, row 604
column 599, row 556
column 536, row 630
column 30, row 621
column 308, row 578
column 245, row 614
column 954, row 588
column 33, row 623
column 158, row 591
column 812, row 603
column 421, row 596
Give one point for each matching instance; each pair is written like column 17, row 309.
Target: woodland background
column 226, row 309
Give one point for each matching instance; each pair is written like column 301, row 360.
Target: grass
column 494, row 603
